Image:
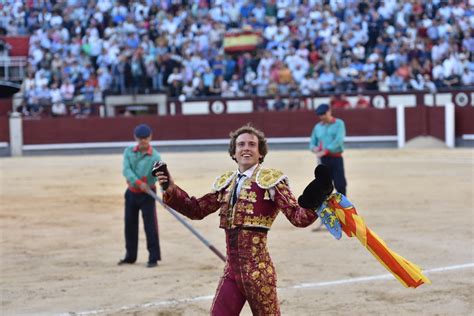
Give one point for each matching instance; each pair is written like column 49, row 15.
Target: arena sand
column 62, row 234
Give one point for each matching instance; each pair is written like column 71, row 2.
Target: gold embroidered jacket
column 261, row 198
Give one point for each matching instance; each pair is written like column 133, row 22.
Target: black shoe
column 151, row 264
column 125, row 261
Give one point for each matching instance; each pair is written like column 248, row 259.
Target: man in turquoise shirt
column 327, row 142
column 137, row 166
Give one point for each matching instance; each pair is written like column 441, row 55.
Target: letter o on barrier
column 461, row 99
column 379, row 102
column 217, row 107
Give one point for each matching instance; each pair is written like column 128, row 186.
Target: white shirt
column 247, row 175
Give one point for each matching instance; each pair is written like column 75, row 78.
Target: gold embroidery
column 263, row 221
column 266, row 195
column 248, row 196
column 258, row 280
column 249, row 209
column 247, row 183
column 223, row 181
column 268, row 178
column 243, row 194
column 226, row 196
column 266, row 290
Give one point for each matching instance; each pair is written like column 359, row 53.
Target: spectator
column 23, row 109
column 138, row 72
column 260, row 85
column 58, row 109
column 361, row 102
column 208, row 79
column 188, row 90
column 67, row 90
column 43, row 94
column 383, row 82
column 438, row 75
column 4, row 48
column 339, row 102
column 396, row 83
column 216, row 87
column 28, row 84
column 137, row 46
column 174, row 90
column 55, row 93
column 261, row 104
column 430, row 85
column 234, row 87
column 75, row 109
column 89, row 88
column 294, row 103
column 279, row 104
column 86, row 110
column 249, row 78
column 327, row 80
column 467, row 78
column 305, row 85
column 104, row 80
column 452, row 80
column 176, row 75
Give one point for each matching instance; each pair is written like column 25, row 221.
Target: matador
column 248, row 200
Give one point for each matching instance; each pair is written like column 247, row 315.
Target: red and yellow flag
column 408, row 273
column 241, row 41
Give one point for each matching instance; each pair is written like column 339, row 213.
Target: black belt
column 256, row 229
column 234, row 233
column 253, row 229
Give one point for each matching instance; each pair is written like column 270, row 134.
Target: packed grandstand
column 83, row 50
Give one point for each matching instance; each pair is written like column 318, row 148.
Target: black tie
column 234, row 195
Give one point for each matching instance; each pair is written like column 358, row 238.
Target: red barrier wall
column 5, row 106
column 424, row 121
column 4, row 129
column 464, row 120
column 181, row 127
column 363, row 122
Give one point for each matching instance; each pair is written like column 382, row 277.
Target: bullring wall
column 423, row 121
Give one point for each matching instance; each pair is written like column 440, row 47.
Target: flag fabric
column 241, row 41
column 329, row 219
column 339, row 213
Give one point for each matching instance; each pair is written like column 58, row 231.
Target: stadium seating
column 238, row 48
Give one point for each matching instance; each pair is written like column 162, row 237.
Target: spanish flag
column 241, row 41
column 408, row 273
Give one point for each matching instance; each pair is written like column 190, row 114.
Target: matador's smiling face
column 246, row 151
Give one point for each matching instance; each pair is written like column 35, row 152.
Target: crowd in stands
column 88, row 48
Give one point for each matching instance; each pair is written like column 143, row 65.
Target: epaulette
column 268, row 178
column 223, row 181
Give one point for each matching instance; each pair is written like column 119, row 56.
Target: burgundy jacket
column 261, row 198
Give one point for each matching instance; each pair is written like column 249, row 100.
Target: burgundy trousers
column 249, row 275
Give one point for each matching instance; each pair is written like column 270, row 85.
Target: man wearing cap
column 137, row 165
column 327, row 142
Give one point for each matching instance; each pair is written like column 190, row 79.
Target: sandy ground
column 61, row 226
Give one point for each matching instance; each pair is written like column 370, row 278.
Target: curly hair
column 249, row 129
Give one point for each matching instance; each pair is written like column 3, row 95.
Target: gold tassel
column 267, row 195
